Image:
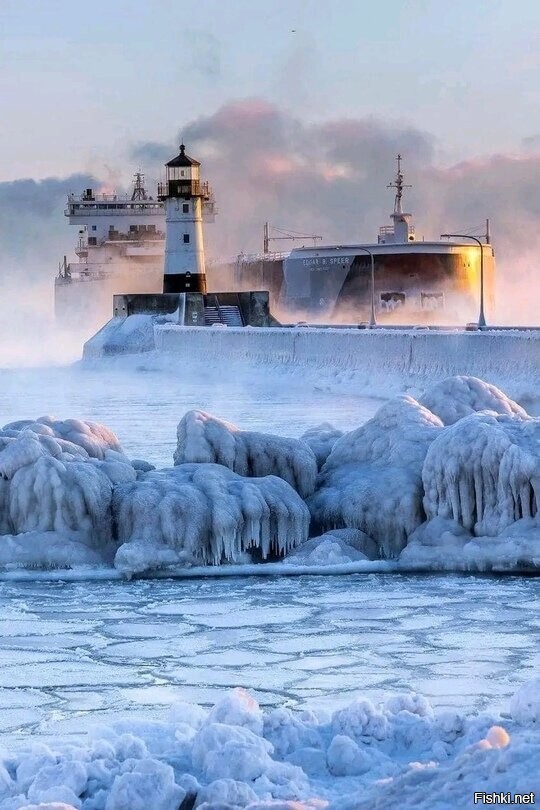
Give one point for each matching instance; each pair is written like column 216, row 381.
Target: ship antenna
column 399, row 185
column 139, row 191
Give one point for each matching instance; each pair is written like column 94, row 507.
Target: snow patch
column 399, row 753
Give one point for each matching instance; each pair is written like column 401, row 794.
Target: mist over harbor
column 327, row 178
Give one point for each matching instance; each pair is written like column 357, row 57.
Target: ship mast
column 139, row 191
column 399, row 185
column 402, row 229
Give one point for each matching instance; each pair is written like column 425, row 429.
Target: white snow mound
column 399, row 753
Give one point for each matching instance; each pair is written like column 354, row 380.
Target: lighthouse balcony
column 185, row 188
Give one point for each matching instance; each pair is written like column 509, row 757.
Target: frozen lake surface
column 78, row 653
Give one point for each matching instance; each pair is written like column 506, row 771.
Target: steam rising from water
column 330, row 178
column 325, row 178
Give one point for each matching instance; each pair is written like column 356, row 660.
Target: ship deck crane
column 286, row 234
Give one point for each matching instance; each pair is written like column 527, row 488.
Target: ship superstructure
column 120, row 244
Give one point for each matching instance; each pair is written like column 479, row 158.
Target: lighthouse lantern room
column 186, row 199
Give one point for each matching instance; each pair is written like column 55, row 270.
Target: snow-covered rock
column 203, row 438
column 204, row 513
column 442, row 544
column 334, row 548
column 484, row 472
column 95, row 439
column 321, row 438
column 372, row 479
column 456, row 397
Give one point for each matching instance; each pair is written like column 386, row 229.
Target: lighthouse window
column 186, row 238
column 185, row 208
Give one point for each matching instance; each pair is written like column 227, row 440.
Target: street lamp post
column 372, row 321
column 481, row 316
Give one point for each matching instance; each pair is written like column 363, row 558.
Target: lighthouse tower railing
column 181, row 188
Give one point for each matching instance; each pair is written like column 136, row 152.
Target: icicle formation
column 456, row 397
column 204, row 438
column 204, row 513
column 372, row 478
column 484, row 472
column 56, row 491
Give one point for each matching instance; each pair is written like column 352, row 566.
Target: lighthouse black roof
column 182, row 159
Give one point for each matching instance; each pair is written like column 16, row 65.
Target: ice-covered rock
column 372, row 479
column 442, row 544
column 336, row 547
column 95, row 439
column 203, row 438
column 321, row 438
column 484, row 472
column 204, row 513
column 52, row 496
column 456, row 397
column 525, row 704
column 56, row 485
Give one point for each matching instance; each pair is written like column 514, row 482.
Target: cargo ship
column 120, row 245
column 398, row 278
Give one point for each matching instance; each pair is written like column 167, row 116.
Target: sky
column 82, row 83
column 296, row 108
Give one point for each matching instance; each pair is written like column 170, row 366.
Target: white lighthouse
column 187, row 201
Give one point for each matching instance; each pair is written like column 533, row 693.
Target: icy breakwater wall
column 407, row 354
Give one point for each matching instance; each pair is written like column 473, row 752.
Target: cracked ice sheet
column 302, row 641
